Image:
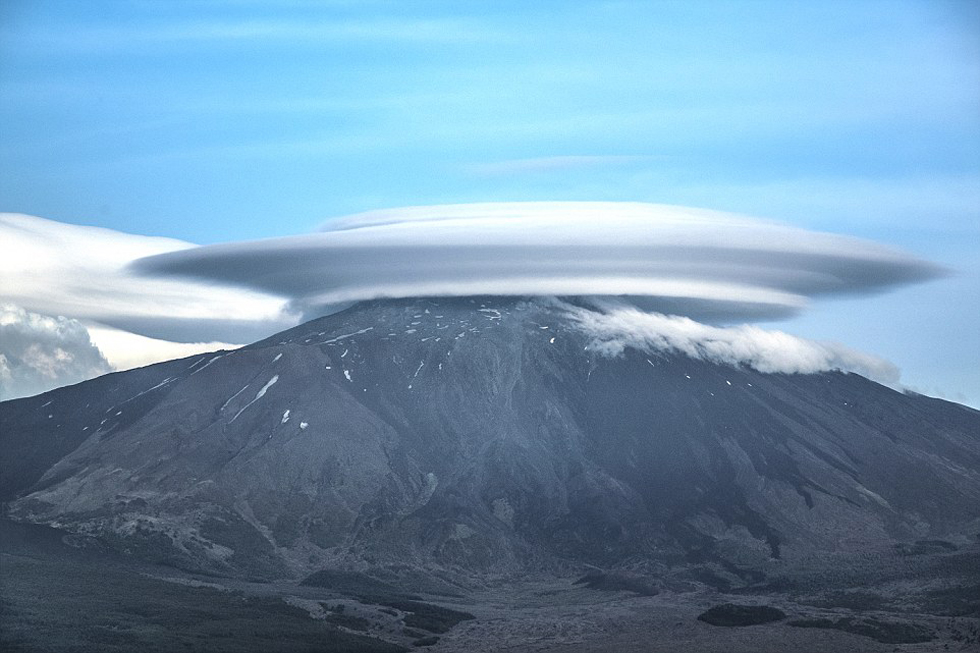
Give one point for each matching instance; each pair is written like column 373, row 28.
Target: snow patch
column 158, row 385
column 258, row 395
column 346, row 335
column 285, row 417
column 228, row 401
column 214, row 358
column 494, row 314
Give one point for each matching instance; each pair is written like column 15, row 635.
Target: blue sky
column 234, row 120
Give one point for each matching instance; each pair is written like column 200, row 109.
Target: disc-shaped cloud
column 677, row 260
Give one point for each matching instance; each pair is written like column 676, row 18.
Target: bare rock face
column 482, row 436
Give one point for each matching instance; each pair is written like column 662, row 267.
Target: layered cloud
column 615, row 326
column 73, row 310
column 40, row 352
column 696, row 263
column 53, row 268
column 143, row 299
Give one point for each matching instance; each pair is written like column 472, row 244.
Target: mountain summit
column 485, row 436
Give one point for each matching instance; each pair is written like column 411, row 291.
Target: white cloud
column 147, row 299
column 614, row 327
column 692, row 262
column 39, row 352
column 49, row 268
column 125, row 351
column 54, row 268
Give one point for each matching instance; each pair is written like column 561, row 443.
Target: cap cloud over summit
column 693, row 262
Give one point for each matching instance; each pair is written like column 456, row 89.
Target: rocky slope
column 482, row 436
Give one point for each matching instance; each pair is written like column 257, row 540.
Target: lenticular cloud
column 696, row 263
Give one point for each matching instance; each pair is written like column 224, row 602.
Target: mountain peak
column 483, row 434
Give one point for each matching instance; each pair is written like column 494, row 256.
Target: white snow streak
column 206, row 364
column 140, row 394
column 346, row 335
column 228, row 401
column 258, row 395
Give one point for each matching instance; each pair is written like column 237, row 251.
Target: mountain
column 483, row 437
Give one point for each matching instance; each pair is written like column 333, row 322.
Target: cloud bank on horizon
column 71, row 310
column 53, row 268
column 38, row 352
column 697, row 263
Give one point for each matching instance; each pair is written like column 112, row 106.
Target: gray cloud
column 697, row 263
column 39, row 352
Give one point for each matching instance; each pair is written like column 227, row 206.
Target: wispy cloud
column 615, row 327
column 214, row 32
column 555, row 163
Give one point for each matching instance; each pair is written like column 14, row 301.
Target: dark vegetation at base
column 857, row 600
column 348, row 621
column 886, row 632
column 732, row 614
column 939, row 579
column 924, row 547
column 426, row 641
column 353, row 582
column 619, row 582
column 433, row 618
column 959, row 601
column 56, row 599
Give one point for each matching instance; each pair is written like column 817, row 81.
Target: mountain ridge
column 483, row 436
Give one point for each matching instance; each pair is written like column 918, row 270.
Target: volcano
column 488, row 438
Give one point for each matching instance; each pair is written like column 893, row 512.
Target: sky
column 230, row 121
